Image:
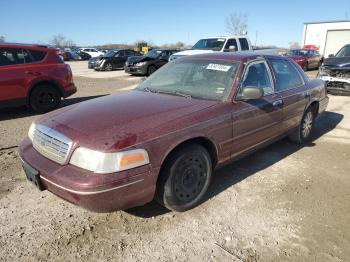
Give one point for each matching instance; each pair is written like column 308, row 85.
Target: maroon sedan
column 165, row 138
column 306, row 58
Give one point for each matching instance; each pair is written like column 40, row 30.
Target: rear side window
column 37, row 55
column 286, row 74
column 244, row 43
column 231, row 43
column 11, row 56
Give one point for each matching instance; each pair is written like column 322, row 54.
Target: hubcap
column 108, row 67
column 46, row 99
column 191, row 174
column 307, row 124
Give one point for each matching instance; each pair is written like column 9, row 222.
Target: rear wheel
column 185, row 178
column 44, row 98
column 303, row 132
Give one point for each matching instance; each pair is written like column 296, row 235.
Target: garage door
column 335, row 40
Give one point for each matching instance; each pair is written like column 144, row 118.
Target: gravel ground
column 283, row 203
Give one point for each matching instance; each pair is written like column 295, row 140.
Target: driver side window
column 258, row 75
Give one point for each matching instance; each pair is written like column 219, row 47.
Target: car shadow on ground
column 239, row 170
column 20, row 112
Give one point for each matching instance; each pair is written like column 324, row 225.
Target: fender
column 184, row 139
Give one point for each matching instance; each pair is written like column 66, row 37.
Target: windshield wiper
column 182, row 94
column 147, row 89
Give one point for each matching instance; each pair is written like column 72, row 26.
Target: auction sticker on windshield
column 218, row 67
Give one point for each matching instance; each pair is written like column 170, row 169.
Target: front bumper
column 69, row 90
column 95, row 192
column 337, row 85
column 136, row 70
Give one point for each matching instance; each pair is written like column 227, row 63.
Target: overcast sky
column 91, row 22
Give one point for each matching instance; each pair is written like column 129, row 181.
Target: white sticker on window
column 218, row 67
column 221, row 40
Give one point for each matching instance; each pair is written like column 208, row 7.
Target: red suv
column 34, row 76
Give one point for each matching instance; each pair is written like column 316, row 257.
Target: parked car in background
column 335, row 71
column 93, row 52
column 164, row 139
column 216, row 44
column 93, row 61
column 62, row 54
column 148, row 63
column 114, row 59
column 33, row 75
column 306, row 58
column 84, row 56
column 73, row 56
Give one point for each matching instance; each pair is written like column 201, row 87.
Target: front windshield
column 345, row 51
column 298, row 52
column 110, row 53
column 196, row 78
column 214, row 44
column 153, row 53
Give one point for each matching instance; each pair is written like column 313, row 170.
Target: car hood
column 337, row 62
column 118, row 121
column 193, row 52
column 136, row 59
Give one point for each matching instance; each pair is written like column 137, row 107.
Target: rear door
column 13, row 74
column 293, row 91
column 258, row 120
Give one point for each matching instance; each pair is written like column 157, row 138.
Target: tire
column 303, row 132
column 44, row 98
column 185, row 178
column 151, row 70
column 108, row 67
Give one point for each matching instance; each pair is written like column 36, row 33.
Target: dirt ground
column 283, row 203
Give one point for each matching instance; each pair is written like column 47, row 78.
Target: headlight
column 31, row 131
column 141, row 63
column 104, row 163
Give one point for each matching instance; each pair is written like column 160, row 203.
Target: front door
column 257, row 121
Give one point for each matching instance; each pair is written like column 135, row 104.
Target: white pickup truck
column 216, row 44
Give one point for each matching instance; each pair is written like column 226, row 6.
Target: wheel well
column 315, row 107
column 44, row 83
column 206, row 143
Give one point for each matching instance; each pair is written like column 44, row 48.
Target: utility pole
column 256, row 37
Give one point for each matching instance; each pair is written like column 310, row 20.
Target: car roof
column 226, row 37
column 233, row 56
column 26, row 46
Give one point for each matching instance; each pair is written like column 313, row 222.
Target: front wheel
column 185, row 178
column 151, row 70
column 108, row 67
column 303, row 132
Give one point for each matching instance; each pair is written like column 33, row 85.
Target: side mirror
column 331, row 55
column 251, row 92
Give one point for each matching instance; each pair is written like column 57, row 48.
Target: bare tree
column 61, row 42
column 2, row 39
column 236, row 24
column 294, row 45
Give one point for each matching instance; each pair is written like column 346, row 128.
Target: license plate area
column 33, row 176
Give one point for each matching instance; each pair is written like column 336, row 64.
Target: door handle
column 307, row 94
column 277, row 103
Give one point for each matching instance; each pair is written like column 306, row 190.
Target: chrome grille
column 51, row 144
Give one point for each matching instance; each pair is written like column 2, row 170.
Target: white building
column 328, row 36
